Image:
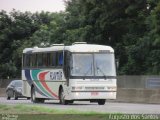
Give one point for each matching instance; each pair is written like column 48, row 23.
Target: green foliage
column 17, row 31
column 131, row 27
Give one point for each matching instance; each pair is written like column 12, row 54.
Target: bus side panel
column 46, row 82
column 51, row 90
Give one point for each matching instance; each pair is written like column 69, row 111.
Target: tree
column 118, row 23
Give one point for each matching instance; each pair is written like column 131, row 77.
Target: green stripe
column 34, row 76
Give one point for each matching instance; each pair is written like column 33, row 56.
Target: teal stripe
column 34, row 76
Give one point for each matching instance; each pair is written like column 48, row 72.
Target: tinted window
column 34, row 60
column 39, row 60
column 60, row 58
column 27, row 60
column 53, row 59
column 44, row 59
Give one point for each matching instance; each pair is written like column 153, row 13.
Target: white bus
column 79, row 72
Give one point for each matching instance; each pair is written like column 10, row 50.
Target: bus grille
column 94, row 88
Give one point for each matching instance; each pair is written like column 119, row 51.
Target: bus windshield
column 93, row 65
column 104, row 65
column 82, row 65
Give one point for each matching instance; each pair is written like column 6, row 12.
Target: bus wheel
column 70, row 101
column 33, row 96
column 101, row 102
column 41, row 100
column 61, row 97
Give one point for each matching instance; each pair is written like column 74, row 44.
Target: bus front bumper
column 85, row 95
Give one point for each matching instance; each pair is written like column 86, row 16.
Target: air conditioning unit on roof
column 57, row 45
column 79, row 43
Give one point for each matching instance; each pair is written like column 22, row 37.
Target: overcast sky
column 32, row 5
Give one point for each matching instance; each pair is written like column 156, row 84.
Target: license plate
column 94, row 93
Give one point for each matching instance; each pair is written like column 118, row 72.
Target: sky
column 32, row 5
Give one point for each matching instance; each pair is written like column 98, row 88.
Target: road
column 109, row 107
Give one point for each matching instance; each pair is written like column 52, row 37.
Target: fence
column 139, row 89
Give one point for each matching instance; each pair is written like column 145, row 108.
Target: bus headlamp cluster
column 77, row 88
column 112, row 88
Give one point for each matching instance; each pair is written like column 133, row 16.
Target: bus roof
column 72, row 48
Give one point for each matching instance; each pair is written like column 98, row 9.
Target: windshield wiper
column 90, row 69
column 98, row 68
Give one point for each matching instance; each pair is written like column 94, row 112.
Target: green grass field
column 29, row 112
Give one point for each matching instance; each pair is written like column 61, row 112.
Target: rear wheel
column 101, row 102
column 61, row 97
column 40, row 100
column 71, row 101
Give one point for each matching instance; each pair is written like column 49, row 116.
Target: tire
column 15, row 96
column 101, row 102
column 41, row 100
column 8, row 98
column 33, row 96
column 70, row 101
column 61, row 97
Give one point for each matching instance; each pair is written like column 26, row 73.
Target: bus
column 79, row 72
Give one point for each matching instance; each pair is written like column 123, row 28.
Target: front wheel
column 61, row 97
column 101, row 102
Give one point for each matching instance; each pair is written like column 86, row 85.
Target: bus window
column 31, row 60
column 45, row 63
column 39, row 60
column 34, row 60
column 53, row 59
column 60, row 59
column 48, row 59
column 27, row 60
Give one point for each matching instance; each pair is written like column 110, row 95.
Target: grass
column 29, row 109
column 29, row 112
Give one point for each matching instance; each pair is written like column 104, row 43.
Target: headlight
column 19, row 90
column 112, row 88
